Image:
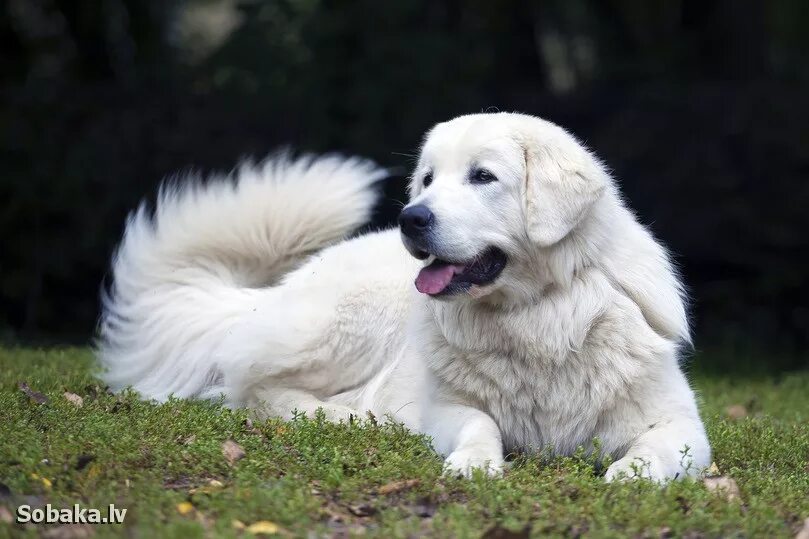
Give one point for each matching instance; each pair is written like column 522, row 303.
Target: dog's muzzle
column 416, row 224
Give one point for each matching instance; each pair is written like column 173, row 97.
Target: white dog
column 545, row 316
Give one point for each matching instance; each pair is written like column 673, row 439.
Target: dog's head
column 488, row 193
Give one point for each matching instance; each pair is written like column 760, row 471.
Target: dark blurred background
column 700, row 107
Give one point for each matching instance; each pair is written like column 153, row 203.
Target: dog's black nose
column 415, row 221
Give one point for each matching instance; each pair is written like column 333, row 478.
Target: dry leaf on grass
column 736, row 411
column 212, row 486
column 803, row 533
column 397, row 486
column 232, row 451
column 74, row 399
column 263, row 526
column 723, row 485
column 713, row 470
column 185, row 508
column 35, row 396
column 44, row 480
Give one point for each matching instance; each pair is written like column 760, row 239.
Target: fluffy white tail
column 184, row 276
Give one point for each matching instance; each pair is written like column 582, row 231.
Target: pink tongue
column 434, row 279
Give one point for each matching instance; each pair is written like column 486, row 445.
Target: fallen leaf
column 803, row 533
column 35, row 396
column 736, row 411
column 44, row 480
column 232, row 451
column 713, row 470
column 74, row 399
column 185, row 508
column 723, row 485
column 5, row 515
column 212, row 486
column 263, row 526
column 498, row 532
column 69, row 531
column 397, row 486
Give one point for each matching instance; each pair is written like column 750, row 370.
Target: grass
column 164, row 463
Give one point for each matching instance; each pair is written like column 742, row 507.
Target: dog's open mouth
column 443, row 278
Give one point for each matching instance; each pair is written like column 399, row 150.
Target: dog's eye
column 428, row 179
column 481, row 175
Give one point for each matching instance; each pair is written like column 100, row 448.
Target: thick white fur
column 576, row 340
column 185, row 276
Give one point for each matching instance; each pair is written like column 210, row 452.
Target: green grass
column 309, row 475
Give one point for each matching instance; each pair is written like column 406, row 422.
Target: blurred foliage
column 699, row 106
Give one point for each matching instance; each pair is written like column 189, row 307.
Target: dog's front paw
column 635, row 467
column 464, row 461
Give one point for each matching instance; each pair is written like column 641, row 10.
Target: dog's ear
column 559, row 191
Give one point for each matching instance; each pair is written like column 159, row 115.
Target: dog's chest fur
column 544, row 373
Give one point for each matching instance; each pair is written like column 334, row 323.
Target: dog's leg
column 469, row 438
column 286, row 402
column 669, row 449
column 291, row 352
